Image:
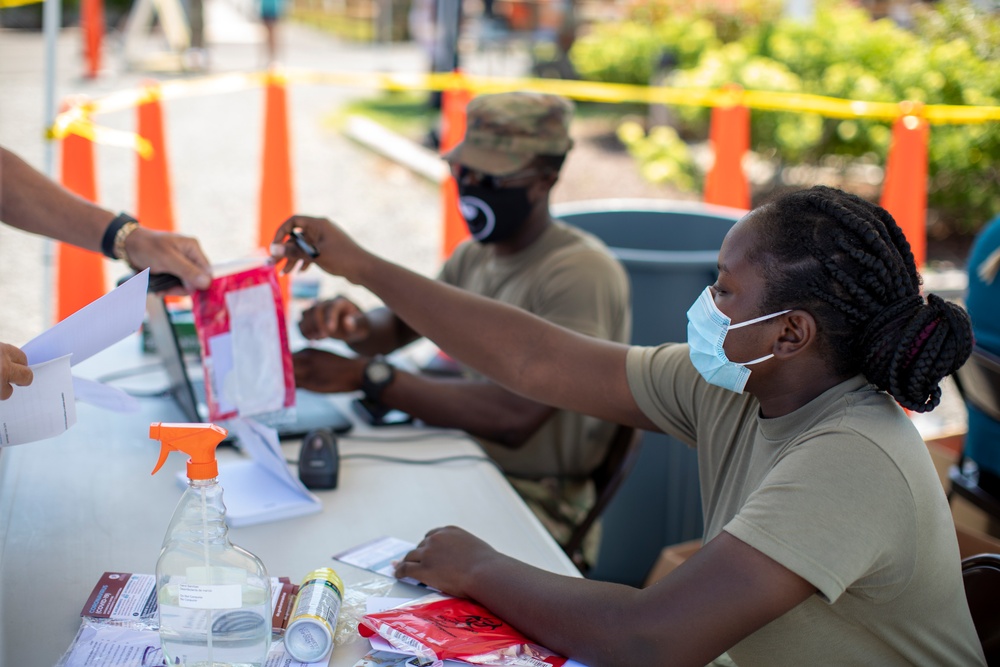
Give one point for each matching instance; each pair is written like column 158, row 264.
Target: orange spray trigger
column 197, row 440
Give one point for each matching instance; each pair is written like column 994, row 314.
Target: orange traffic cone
column 904, row 193
column 154, row 201
column 725, row 183
column 92, row 19
column 80, row 273
column 453, row 104
column 276, row 204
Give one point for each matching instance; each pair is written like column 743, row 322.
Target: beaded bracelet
column 113, row 241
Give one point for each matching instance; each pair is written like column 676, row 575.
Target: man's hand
column 13, row 370
column 164, row 252
column 326, row 372
column 447, row 559
column 335, row 318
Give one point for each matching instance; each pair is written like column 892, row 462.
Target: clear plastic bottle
column 214, row 598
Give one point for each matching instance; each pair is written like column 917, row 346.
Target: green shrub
column 951, row 57
column 663, row 156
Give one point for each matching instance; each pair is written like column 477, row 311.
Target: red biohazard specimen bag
column 240, row 320
column 456, row 629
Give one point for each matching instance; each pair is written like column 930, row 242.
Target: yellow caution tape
column 72, row 122
column 76, row 120
column 17, row 3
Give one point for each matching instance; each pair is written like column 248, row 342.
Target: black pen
column 303, row 245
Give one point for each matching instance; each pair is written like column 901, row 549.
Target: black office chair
column 981, row 576
column 978, row 381
column 608, row 477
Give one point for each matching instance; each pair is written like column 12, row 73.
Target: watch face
column 378, row 372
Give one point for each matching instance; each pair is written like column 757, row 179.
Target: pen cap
column 196, row 440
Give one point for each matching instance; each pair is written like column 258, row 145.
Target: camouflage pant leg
column 561, row 505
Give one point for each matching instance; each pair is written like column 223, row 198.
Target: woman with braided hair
column 828, row 539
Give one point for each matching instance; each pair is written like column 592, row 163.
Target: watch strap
column 371, row 386
column 113, row 241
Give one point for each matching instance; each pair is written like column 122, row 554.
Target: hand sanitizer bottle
column 214, row 598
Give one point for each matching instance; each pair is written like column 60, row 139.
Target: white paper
column 104, row 396
column 261, row 488
column 94, row 327
column 47, row 407
column 43, row 409
column 379, row 555
column 257, row 383
column 260, row 442
column 220, row 349
column 98, row 645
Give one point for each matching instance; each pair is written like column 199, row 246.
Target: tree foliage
column 950, row 56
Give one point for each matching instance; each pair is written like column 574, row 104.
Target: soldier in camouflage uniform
column 506, row 166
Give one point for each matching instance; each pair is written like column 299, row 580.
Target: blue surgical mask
column 707, row 329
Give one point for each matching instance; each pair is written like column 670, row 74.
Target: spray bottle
column 214, row 598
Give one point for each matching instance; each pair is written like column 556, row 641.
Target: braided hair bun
column 908, row 354
column 847, row 262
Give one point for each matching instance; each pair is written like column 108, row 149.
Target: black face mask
column 493, row 215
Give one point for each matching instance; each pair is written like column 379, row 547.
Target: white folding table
column 83, row 503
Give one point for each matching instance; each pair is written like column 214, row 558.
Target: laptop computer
column 312, row 410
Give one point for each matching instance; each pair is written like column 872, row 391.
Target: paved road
column 214, row 145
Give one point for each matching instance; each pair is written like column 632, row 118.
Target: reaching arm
column 523, row 353
column 720, row 595
column 481, row 408
column 32, row 202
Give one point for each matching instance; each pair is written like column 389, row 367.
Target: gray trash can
column 670, row 250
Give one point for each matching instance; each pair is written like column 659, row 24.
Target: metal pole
column 51, row 22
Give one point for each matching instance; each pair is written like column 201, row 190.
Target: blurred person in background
column 505, row 167
column 271, row 12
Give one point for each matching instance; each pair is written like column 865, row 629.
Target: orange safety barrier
column 729, row 134
column 154, row 200
column 276, row 202
column 904, row 192
column 92, row 19
column 80, row 273
column 453, row 104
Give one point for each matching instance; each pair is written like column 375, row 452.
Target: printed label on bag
column 216, row 596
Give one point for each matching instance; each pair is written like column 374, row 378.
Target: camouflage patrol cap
column 505, row 131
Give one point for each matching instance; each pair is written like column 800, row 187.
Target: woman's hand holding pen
column 317, row 241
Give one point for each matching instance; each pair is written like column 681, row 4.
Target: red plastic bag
column 456, row 629
column 240, row 321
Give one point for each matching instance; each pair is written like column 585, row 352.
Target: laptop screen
column 168, row 348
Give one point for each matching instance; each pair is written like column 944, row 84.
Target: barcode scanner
column 319, row 461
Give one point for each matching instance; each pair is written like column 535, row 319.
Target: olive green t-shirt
column 842, row 492
column 568, row 277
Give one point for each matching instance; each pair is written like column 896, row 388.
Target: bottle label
column 215, row 596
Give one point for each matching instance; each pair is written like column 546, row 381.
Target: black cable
column 419, row 462
column 409, row 437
